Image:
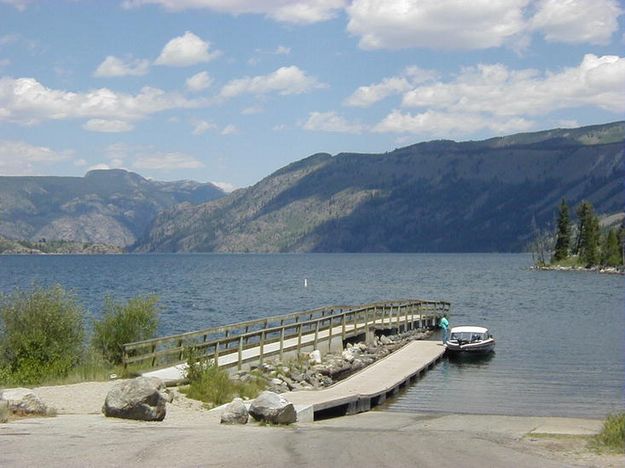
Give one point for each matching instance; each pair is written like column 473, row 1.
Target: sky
column 228, row 91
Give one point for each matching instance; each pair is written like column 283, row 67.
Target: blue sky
column 228, row 91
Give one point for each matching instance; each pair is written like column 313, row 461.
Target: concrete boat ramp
column 369, row 387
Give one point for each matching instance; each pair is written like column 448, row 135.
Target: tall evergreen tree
column 588, row 235
column 621, row 242
column 563, row 237
column 611, row 250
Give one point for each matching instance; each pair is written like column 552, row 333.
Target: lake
column 560, row 335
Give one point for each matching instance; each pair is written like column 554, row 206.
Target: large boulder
column 235, row 413
column 24, row 402
column 143, row 398
column 273, row 408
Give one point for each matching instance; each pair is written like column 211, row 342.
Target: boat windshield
column 469, row 337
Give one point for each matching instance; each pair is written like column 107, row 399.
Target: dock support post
column 262, row 346
column 240, row 354
column 316, row 334
column 330, row 337
column 281, row 343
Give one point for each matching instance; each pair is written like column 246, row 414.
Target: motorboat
column 470, row 340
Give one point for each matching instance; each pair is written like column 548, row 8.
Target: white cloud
column 113, row 67
column 230, row 129
column 199, row 82
column 568, row 123
column 166, row 161
column 284, row 81
column 8, row 39
column 17, row 4
column 225, row 186
column 21, row 158
column 443, row 124
column 282, row 50
column 26, row 101
column 288, row 11
column 365, row 96
column 596, row 81
column 107, row 126
column 99, row 167
column 256, row 109
column 437, row 24
column 186, row 50
column 331, row 122
column 202, row 126
column 577, row 21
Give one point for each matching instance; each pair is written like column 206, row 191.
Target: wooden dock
column 283, row 336
column 371, row 386
column 325, row 329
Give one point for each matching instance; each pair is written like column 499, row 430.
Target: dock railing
column 217, row 342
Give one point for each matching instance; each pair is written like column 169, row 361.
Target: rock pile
column 312, row 372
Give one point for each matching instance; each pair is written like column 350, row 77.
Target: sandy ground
column 191, row 436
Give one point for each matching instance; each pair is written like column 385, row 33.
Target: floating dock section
column 369, row 387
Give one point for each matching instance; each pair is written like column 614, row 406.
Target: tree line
column 585, row 244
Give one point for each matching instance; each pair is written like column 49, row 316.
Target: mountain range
column 112, row 207
column 437, row 196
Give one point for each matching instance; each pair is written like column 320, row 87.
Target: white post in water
column 305, row 282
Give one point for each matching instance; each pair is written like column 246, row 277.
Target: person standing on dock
column 444, row 324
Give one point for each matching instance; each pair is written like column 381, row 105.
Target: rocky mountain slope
column 111, row 207
column 435, row 196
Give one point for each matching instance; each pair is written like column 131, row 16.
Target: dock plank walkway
column 374, row 383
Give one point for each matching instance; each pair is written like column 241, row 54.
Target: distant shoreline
column 600, row 270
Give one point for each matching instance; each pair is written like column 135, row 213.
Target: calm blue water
column 560, row 335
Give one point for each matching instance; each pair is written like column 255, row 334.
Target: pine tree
column 621, row 242
column 563, row 238
column 588, row 235
column 611, row 251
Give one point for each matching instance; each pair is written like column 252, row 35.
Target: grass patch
column 93, row 368
column 612, row 435
column 213, row 385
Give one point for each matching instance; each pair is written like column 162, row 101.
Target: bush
column 612, row 436
column 41, row 334
column 213, row 386
column 124, row 323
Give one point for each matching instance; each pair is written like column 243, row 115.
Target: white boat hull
column 480, row 347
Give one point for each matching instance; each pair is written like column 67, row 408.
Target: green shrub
column 612, row 435
column 124, row 323
column 212, row 384
column 41, row 334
